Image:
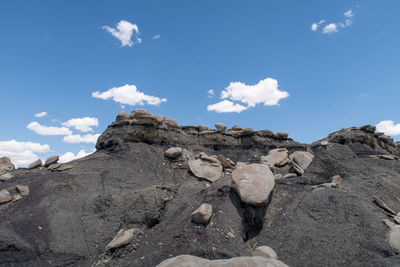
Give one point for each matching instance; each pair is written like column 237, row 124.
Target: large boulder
column 202, row 214
column 51, row 160
column 302, row 158
column 192, row 261
column 206, row 168
column 5, row 196
column 6, row 165
column 35, row 164
column 276, row 157
column 220, row 127
column 254, row 183
column 123, row 238
column 393, row 235
column 173, row 152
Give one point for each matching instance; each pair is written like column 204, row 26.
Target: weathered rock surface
column 5, row 196
column 23, row 189
column 192, row 261
column 123, row 238
column 393, row 236
column 6, row 165
column 173, row 152
column 276, row 157
column 302, row 158
column 202, row 214
column 51, row 160
column 254, row 183
column 265, row 251
column 203, row 168
column 6, row 177
column 35, row 164
column 220, row 127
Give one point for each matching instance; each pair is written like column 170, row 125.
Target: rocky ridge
column 157, row 192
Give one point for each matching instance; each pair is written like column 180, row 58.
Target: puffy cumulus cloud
column 77, row 138
column 315, row 26
column 388, row 127
column 129, row 95
column 265, row 91
column 22, row 153
column 330, row 28
column 124, row 32
column 82, row 124
column 157, row 36
column 69, row 156
column 41, row 114
column 226, row 106
column 46, row 130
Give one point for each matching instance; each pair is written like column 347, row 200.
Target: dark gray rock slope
column 70, row 216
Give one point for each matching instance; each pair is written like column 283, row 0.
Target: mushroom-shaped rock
column 302, row 158
column 5, row 196
column 35, row 164
column 192, row 261
column 253, row 182
column 203, row 168
column 276, row 157
column 6, row 177
column 173, row 152
column 23, row 189
column 202, row 214
column 265, row 251
column 123, row 238
column 51, row 160
column 220, row 127
column 394, row 235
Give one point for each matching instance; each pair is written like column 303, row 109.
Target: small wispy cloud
column 210, row 93
column 46, row 130
column 334, row 26
column 157, row 36
column 41, row 114
column 124, row 33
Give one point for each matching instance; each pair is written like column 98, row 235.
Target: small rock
column 290, row 175
column 302, row 158
column 281, row 135
column 173, row 152
column 297, row 169
column 265, row 251
column 202, row 127
column 23, row 189
column 394, row 235
column 122, row 116
column 172, row 123
column 51, row 160
column 211, row 159
column 35, row 164
column 231, row 235
column 6, row 165
column 205, row 169
column 237, row 128
column 388, row 157
column 276, row 157
column 123, row 238
column 226, row 162
column 278, row 176
column 5, row 196
column 337, row 180
column 6, row 177
column 140, row 113
column 220, row 127
column 324, row 143
column 158, row 119
column 373, row 156
column 202, row 214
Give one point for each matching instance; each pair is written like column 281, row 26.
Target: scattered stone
column 140, row 113
column 5, row 196
column 237, row 128
column 290, row 175
column 23, row 189
column 281, row 135
column 335, row 183
column 173, row 152
column 202, row 127
column 231, row 235
column 220, row 127
column 373, row 156
column 394, row 235
column 226, row 162
column 212, row 159
column 51, row 160
column 59, row 167
column 265, row 133
column 205, row 169
column 172, row 123
column 192, row 261
column 35, row 164
column 382, row 205
column 17, row 197
column 202, row 214
column 265, row 251
column 388, row 157
column 276, row 157
column 278, row 176
column 337, row 180
column 254, row 183
column 324, row 143
column 123, row 238
column 6, row 177
column 302, row 158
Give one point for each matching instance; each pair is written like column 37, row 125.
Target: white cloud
column 129, row 95
column 41, row 114
column 388, row 127
column 45, row 130
column 124, row 32
column 157, row 36
column 330, row 28
column 77, row 138
column 210, row 93
column 22, row 153
column 69, row 156
column 349, row 13
column 315, row 26
column 82, row 124
column 226, row 106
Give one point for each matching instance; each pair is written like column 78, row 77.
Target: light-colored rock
column 6, row 177
column 373, row 156
column 297, row 169
column 173, row 152
column 220, row 127
column 265, row 251
column 205, row 169
column 237, row 128
column 51, row 160
column 302, row 158
column 5, row 196
column 192, row 261
column 158, row 119
column 278, row 176
column 6, row 165
column 335, row 183
column 226, row 162
column 281, row 135
column 212, row 159
column 23, row 189
column 397, row 218
column 5, row 161
column 202, row 214
column 290, row 175
column 337, row 180
column 35, row 164
column 122, row 116
column 123, row 238
column 140, row 113
column 276, row 157
column 202, row 127
column 324, row 143
column 393, row 235
column 254, row 183
column 388, row 157
column 172, row 123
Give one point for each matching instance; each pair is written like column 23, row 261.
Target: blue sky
column 55, row 54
